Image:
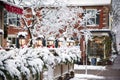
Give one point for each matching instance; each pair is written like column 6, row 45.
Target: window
column 11, row 18
column 93, row 19
column 12, row 39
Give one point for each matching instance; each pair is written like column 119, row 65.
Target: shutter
column 97, row 19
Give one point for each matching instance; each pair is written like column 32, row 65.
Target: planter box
column 71, row 70
column 65, row 69
column 57, row 71
column 71, row 67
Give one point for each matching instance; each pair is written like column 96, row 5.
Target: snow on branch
column 22, row 34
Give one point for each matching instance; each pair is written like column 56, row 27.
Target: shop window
column 93, row 19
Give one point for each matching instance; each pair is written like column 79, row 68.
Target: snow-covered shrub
column 68, row 55
column 8, row 66
column 27, row 62
column 19, row 63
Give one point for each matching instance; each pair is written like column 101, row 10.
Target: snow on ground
column 86, row 77
column 90, row 67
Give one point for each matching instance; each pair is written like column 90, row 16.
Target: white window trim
column 12, row 36
column 11, row 17
column 91, row 17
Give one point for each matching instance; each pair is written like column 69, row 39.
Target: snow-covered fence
column 31, row 63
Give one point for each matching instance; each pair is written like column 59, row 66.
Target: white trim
column 12, row 35
column 78, row 2
column 99, row 29
column 90, row 2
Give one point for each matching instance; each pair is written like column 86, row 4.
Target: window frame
column 10, row 37
column 94, row 17
column 8, row 17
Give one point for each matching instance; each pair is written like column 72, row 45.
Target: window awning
column 11, row 7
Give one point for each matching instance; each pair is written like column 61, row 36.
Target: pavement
column 112, row 72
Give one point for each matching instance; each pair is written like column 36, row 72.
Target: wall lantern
column 39, row 41
column 22, row 40
column 60, row 42
column 50, row 42
column 70, row 43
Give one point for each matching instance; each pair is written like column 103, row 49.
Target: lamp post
column 88, row 36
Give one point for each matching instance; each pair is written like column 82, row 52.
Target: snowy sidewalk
column 111, row 72
column 92, row 72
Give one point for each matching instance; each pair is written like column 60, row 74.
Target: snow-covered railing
column 29, row 63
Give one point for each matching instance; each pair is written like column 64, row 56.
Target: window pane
column 5, row 16
column 10, row 21
column 9, row 38
column 91, row 21
column 92, row 12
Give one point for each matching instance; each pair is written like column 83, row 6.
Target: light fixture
column 39, row 42
column 22, row 40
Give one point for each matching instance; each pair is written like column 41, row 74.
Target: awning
column 101, row 32
column 11, row 7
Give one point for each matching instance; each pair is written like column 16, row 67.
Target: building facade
column 9, row 21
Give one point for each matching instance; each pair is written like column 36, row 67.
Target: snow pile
column 86, row 77
column 90, row 67
column 27, row 62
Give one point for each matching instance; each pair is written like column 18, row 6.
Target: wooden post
column 41, row 75
column 61, row 78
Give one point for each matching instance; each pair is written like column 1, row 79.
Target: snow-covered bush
column 18, row 63
column 68, row 55
column 27, row 62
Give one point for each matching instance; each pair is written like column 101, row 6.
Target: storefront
column 100, row 48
